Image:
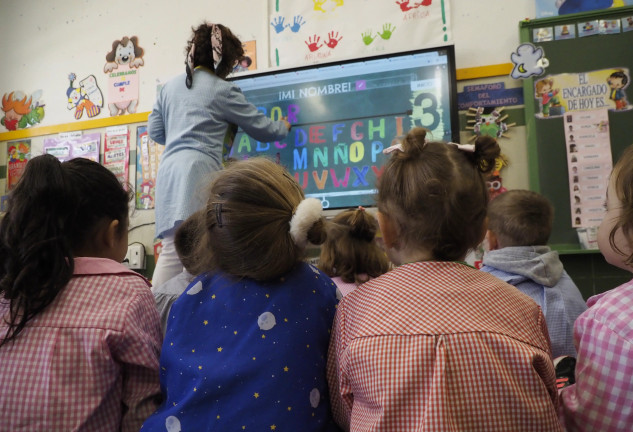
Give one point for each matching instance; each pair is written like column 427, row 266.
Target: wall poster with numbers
column 344, row 114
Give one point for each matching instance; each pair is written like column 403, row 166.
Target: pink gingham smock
column 602, row 398
column 441, row 346
column 89, row 361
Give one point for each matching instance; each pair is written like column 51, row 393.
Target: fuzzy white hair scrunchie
column 306, row 214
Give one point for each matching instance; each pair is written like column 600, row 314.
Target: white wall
column 41, row 42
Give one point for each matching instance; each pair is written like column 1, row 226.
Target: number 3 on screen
column 420, row 102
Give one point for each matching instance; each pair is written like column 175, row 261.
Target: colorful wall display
column 116, row 152
column 18, row 154
column 70, row 145
column 321, row 30
column 21, row 110
column 148, row 155
column 122, row 64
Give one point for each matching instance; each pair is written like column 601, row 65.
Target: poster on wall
column 570, row 92
column 148, row 155
column 71, row 145
column 84, row 97
column 18, row 154
column 122, row 68
column 116, row 152
column 21, row 110
column 248, row 62
column 549, row 8
column 589, row 161
column 325, row 30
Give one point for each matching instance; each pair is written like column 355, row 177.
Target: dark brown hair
column 521, row 218
column 350, row 249
column 436, row 193
column 186, row 238
column 246, row 230
column 232, row 51
column 623, row 172
column 55, row 209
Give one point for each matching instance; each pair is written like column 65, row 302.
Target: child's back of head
column 350, row 249
column 56, row 212
column 186, row 239
column 257, row 221
column 435, row 194
column 520, row 218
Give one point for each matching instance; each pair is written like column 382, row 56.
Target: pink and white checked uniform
column 602, row 398
column 89, row 361
column 441, row 346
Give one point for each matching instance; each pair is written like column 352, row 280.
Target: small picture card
column 543, row 34
column 627, row 24
column 565, row 31
column 588, row 28
column 609, row 26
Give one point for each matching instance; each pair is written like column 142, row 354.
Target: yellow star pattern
column 218, row 417
column 256, row 395
column 200, row 367
column 254, row 358
column 193, row 350
column 273, row 427
column 213, row 296
column 263, row 336
column 285, row 368
column 219, row 349
column 195, row 389
column 235, row 332
column 289, row 408
column 205, row 322
column 267, row 295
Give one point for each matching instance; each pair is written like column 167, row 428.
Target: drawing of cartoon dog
column 125, row 52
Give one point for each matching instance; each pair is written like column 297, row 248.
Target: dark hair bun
column 486, row 151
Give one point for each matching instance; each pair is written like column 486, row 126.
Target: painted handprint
column 367, row 38
column 278, row 24
column 338, row 3
column 297, row 22
column 424, row 3
column 387, row 31
column 318, row 5
column 313, row 43
column 404, row 5
column 333, row 41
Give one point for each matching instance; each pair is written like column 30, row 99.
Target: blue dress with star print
column 241, row 355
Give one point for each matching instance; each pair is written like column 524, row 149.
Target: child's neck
column 400, row 257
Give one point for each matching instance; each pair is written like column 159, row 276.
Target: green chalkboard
column 546, row 136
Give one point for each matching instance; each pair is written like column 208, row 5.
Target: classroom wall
column 42, row 42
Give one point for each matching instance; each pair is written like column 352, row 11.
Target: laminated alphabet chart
column 116, row 152
column 589, row 160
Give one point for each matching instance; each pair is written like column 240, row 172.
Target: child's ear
column 111, row 234
column 388, row 229
column 493, row 243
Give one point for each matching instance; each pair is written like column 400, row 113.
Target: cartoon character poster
column 19, row 153
column 321, row 30
column 148, row 155
column 122, row 66
column 21, row 110
column 564, row 93
column 86, row 96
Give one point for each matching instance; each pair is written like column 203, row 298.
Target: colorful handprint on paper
column 313, row 43
column 333, row 41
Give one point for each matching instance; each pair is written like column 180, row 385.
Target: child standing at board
column 246, row 344
column 436, row 344
column 79, row 332
column 602, row 397
column 350, row 255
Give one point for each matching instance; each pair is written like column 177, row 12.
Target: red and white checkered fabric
column 440, row 346
column 89, row 362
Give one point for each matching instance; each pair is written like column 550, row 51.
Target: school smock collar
column 101, row 266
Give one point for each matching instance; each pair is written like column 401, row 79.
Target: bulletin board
column 548, row 137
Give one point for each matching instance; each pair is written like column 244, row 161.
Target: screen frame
column 449, row 49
